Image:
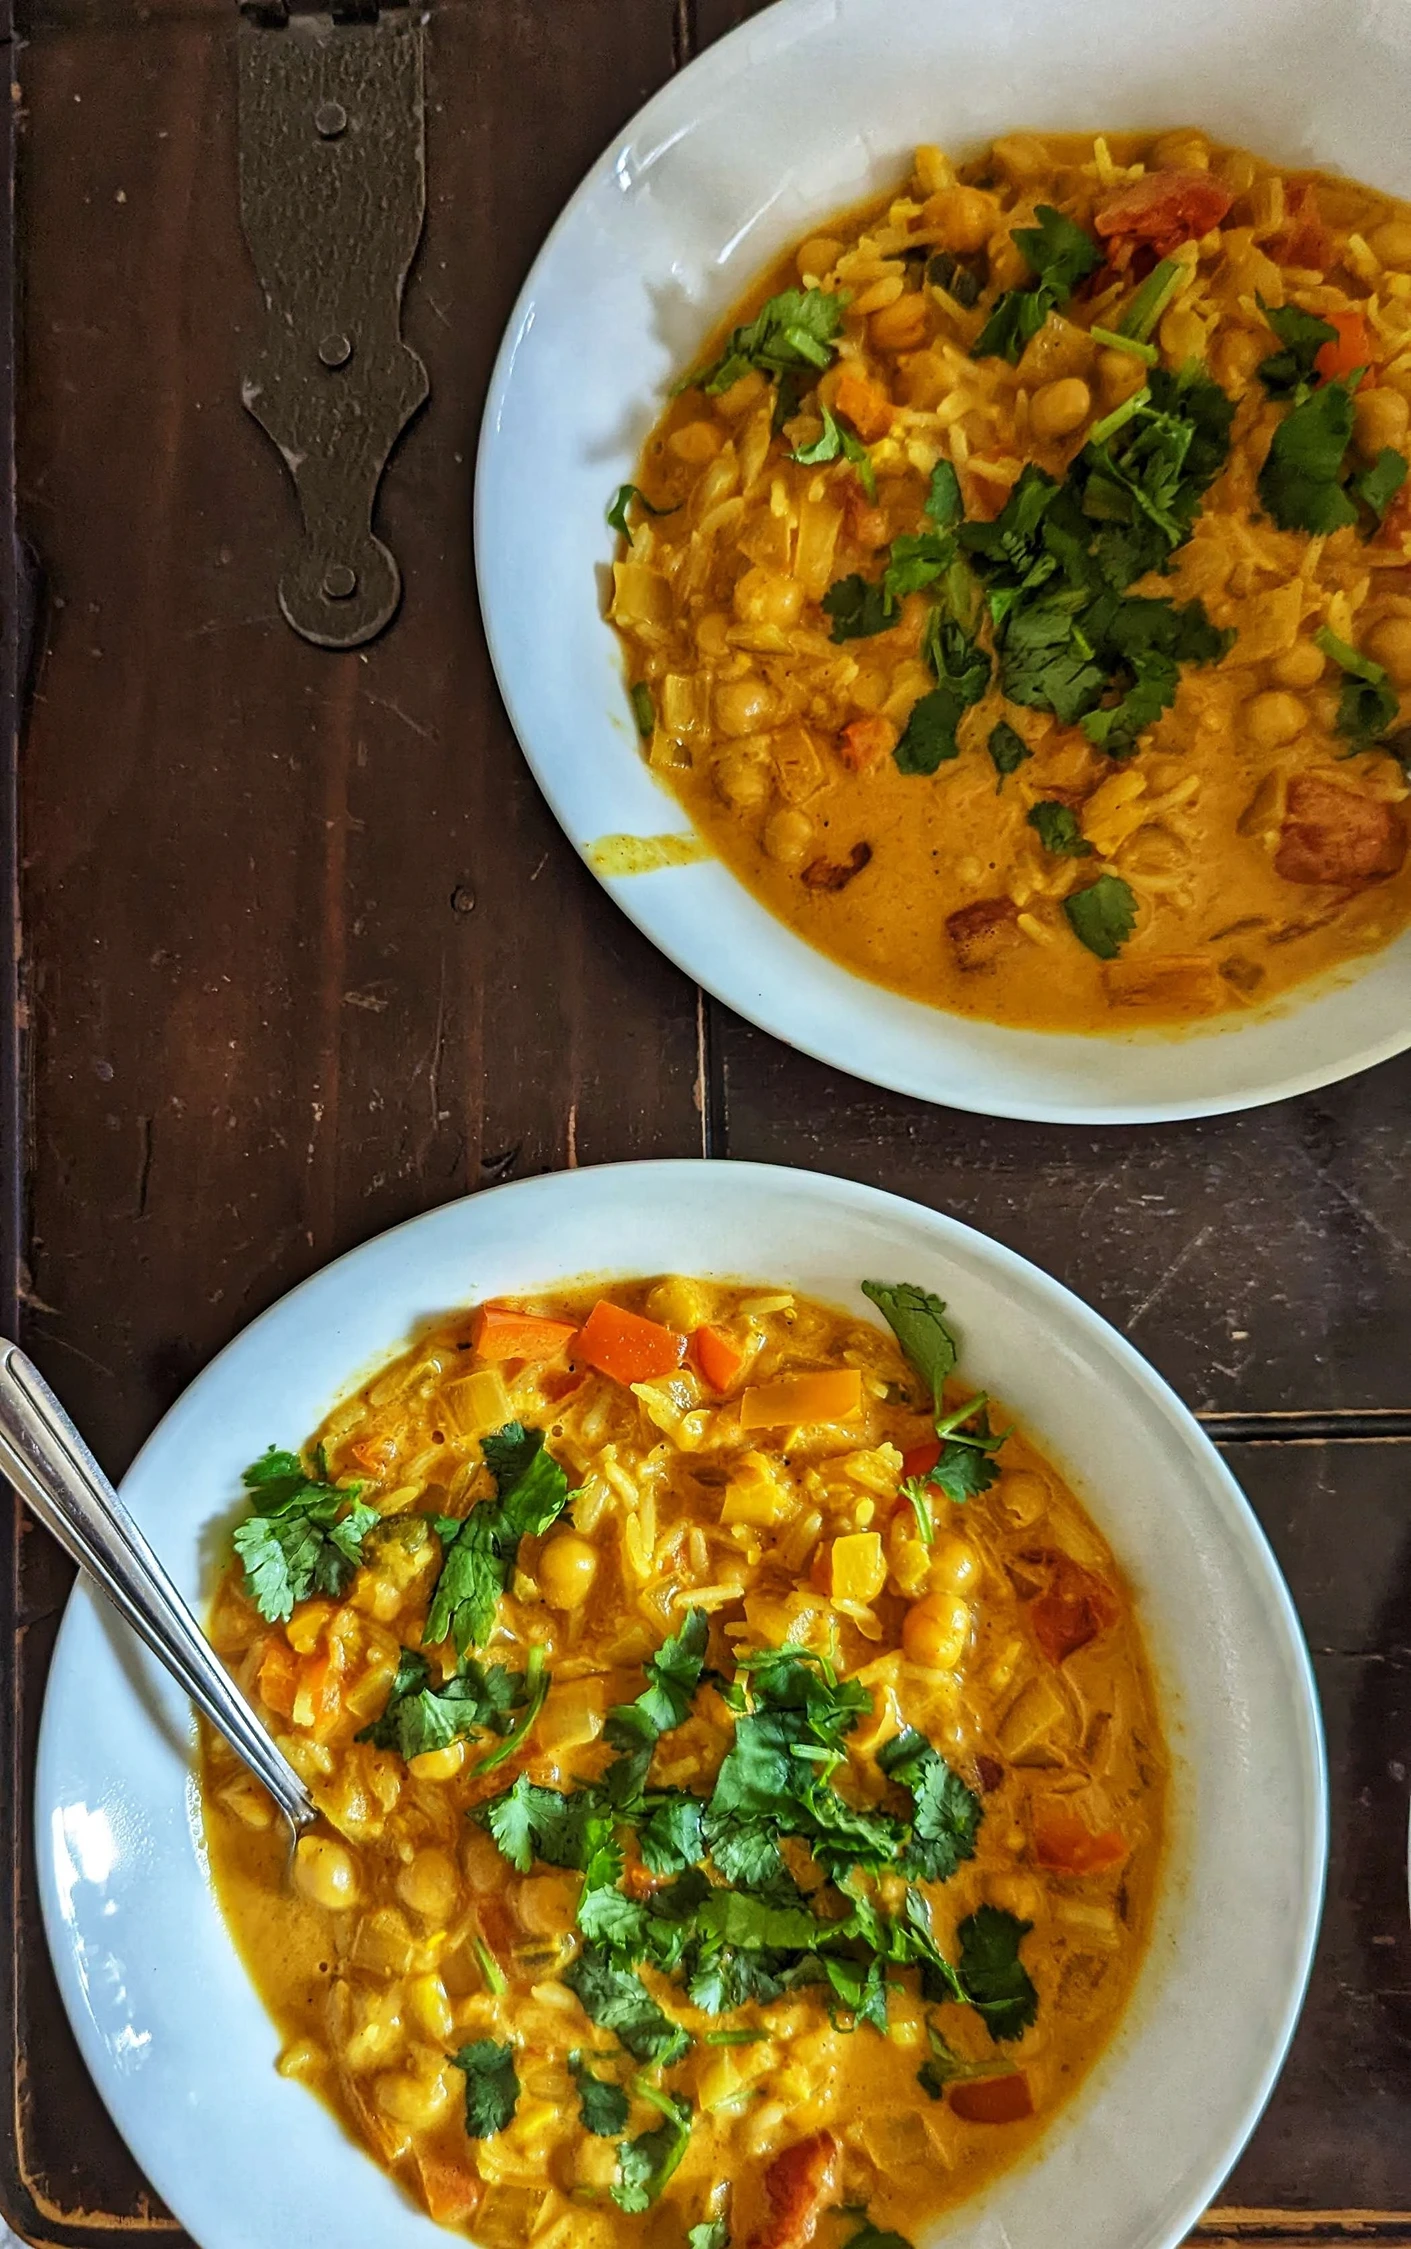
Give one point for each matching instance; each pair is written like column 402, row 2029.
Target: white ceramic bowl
column 170, row 2027
column 813, row 105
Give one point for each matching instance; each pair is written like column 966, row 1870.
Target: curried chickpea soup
column 1018, row 596
column 741, row 1789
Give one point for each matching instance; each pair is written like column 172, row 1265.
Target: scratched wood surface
column 304, row 953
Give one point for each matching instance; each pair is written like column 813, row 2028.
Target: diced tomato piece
column 797, row 2184
column 718, row 1358
column 1165, row 209
column 557, row 1387
column 452, row 2194
column 626, row 1347
column 865, row 404
column 867, row 742
column 1355, row 346
column 1306, row 241
column 919, row 1460
column 798, row 1398
column 1067, row 1845
column 499, row 1332
column 1075, row 1610
column 278, row 1675
column 993, row 2100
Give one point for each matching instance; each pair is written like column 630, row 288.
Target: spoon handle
column 52, row 1468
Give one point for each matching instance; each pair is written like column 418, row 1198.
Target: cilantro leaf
column 869, row 2236
column 643, row 708
column 963, row 670
column 859, row 607
column 1058, row 831
column 946, row 271
column 617, row 2000
column 712, row 2233
column 913, row 563
column 1368, row 704
column 673, row 1674
column 1007, row 750
column 491, row 2086
column 962, row 1472
column 1151, row 299
column 1103, row 916
column 644, row 2165
column 1290, row 373
column 1300, row 482
column 1377, row 485
column 622, row 500
column 672, row 1835
column 917, row 1320
column 1061, row 255
column 301, row 1540
column 794, row 333
column 602, row 2106
column 529, row 1822
column 946, row 1814
column 532, row 1492
column 946, row 2067
column 839, row 437
column 996, row 1981
column 1048, row 663
column 943, row 503
column 417, row 1717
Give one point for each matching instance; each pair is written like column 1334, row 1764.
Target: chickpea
column 1119, row 375
column 1389, row 644
column 324, row 1873
column 1022, row 157
column 1379, row 419
column 1392, row 242
column 900, row 326
column 1273, row 718
column 762, row 597
column 426, row 1997
column 712, row 626
column 696, row 443
column 1057, row 409
column 1182, row 334
column 1019, row 1894
column 955, row 1565
column 1022, row 1496
column 744, row 776
column 430, row 1885
column 1303, row 665
column 545, row 1904
column 438, row 1764
column 936, row 1631
column 818, row 255
column 743, row 706
column 567, row 1568
column 788, row 835
column 417, row 2102
column 965, row 217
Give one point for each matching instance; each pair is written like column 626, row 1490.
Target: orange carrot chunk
column 799, row 1398
column 865, row 404
column 1352, row 349
column 1067, row 1845
column 626, row 1347
column 278, row 1675
column 718, row 1358
column 499, row 1332
column 993, row 2100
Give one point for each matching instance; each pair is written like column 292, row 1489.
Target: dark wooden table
column 302, row 953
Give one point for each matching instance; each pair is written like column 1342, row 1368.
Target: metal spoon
column 49, row 1465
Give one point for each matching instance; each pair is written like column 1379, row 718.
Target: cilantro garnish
column 943, row 503
column 306, row 1537
column 839, row 437
column 1368, row 703
column 1007, row 750
column 795, row 332
column 963, row 669
column 491, row 2087
column 1061, row 255
column 623, row 499
column 602, row 2106
column 1103, row 916
column 917, row 1320
column 946, row 1814
column 644, row 2165
column 479, row 1555
column 946, row 2067
column 1377, row 485
column 996, row 1981
column 946, row 271
column 643, row 709
column 859, row 607
column 1151, row 300
column 712, row 2233
column 617, row 2000
column 1300, row 483
column 674, row 1673
column 1290, row 373
column 417, row 1717
column 1058, row 831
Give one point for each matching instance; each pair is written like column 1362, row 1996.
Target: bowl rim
column 767, row 1004
column 675, row 1175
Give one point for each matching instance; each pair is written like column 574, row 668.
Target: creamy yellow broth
column 1257, row 852
column 1009, row 1642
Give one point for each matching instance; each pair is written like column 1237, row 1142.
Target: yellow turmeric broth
column 769, row 1834
column 932, row 717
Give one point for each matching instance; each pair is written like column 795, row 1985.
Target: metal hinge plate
column 332, row 198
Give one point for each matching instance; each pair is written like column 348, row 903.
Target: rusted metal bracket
column 332, row 198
